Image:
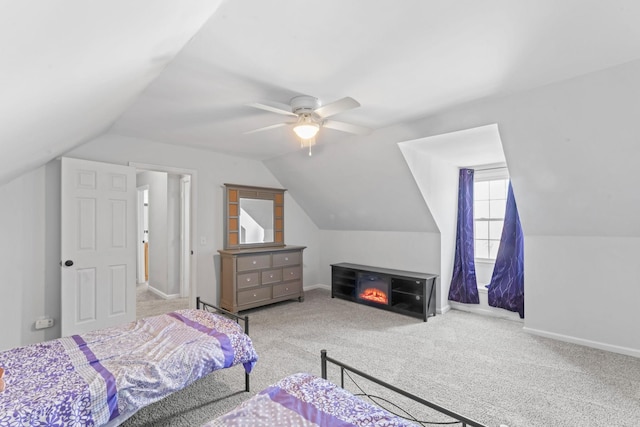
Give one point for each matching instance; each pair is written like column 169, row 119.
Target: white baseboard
column 505, row 314
column 587, row 343
column 317, row 286
column 162, row 294
column 486, row 311
column 443, row 310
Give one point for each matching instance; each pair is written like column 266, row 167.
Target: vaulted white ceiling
column 183, row 72
column 401, row 60
column 70, row 68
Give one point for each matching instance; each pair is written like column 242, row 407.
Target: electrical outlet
column 44, row 323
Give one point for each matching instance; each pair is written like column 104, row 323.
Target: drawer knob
column 286, row 289
column 255, row 295
column 271, row 276
column 248, row 279
column 254, row 262
column 286, row 258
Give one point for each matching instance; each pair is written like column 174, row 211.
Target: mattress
column 307, row 400
column 107, row 375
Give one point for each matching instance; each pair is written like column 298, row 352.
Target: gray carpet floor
column 482, row 367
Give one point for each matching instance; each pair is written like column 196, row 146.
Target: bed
column 104, row 376
column 307, row 400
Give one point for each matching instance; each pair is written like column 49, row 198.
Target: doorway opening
column 142, row 271
column 165, row 231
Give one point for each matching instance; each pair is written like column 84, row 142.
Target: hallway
column 150, row 304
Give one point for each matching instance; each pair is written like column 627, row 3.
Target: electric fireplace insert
column 372, row 288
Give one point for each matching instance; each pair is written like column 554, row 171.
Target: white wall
column 301, row 231
column 30, row 280
column 158, row 248
column 164, row 231
column 438, row 184
column 484, row 272
column 584, row 290
column 435, row 163
column 12, row 259
column 213, row 170
column 30, row 227
column 572, row 150
column 250, row 230
column 419, row 252
column 362, row 183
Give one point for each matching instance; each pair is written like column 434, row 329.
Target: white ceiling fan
column 311, row 116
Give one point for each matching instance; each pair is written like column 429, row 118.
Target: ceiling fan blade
column 278, row 125
column 336, row 107
column 346, row 127
column 274, row 107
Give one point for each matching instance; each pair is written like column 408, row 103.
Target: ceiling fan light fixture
column 306, row 128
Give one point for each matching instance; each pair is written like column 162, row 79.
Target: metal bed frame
column 213, row 308
column 464, row 421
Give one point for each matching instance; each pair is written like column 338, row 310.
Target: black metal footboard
column 213, row 308
column 457, row 418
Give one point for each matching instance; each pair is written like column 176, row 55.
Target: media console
column 405, row 292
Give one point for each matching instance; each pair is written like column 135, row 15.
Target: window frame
column 484, row 175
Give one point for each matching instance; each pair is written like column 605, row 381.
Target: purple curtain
column 464, row 287
column 506, row 289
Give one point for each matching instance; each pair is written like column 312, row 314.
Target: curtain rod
column 491, row 169
column 485, row 169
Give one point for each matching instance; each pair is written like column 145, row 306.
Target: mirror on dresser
column 253, row 216
column 256, row 221
column 256, row 267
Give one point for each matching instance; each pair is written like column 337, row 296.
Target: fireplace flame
column 375, row 295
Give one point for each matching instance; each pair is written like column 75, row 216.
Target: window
column 489, row 204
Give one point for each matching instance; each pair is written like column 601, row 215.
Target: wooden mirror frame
column 233, row 194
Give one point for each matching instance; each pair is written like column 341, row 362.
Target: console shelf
column 409, row 293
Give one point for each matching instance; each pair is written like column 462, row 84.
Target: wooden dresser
column 259, row 276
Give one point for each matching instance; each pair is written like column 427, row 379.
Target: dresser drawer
column 286, row 258
column 291, row 273
column 271, row 276
column 247, row 280
column 254, row 295
column 284, row 289
column 253, row 262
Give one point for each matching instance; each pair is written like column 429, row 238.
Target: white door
column 98, row 246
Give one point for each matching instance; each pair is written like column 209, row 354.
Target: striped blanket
column 97, row 377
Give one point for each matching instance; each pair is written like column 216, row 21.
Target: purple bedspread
column 90, row 379
column 307, row 400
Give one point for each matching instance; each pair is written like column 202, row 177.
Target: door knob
column 68, row 263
